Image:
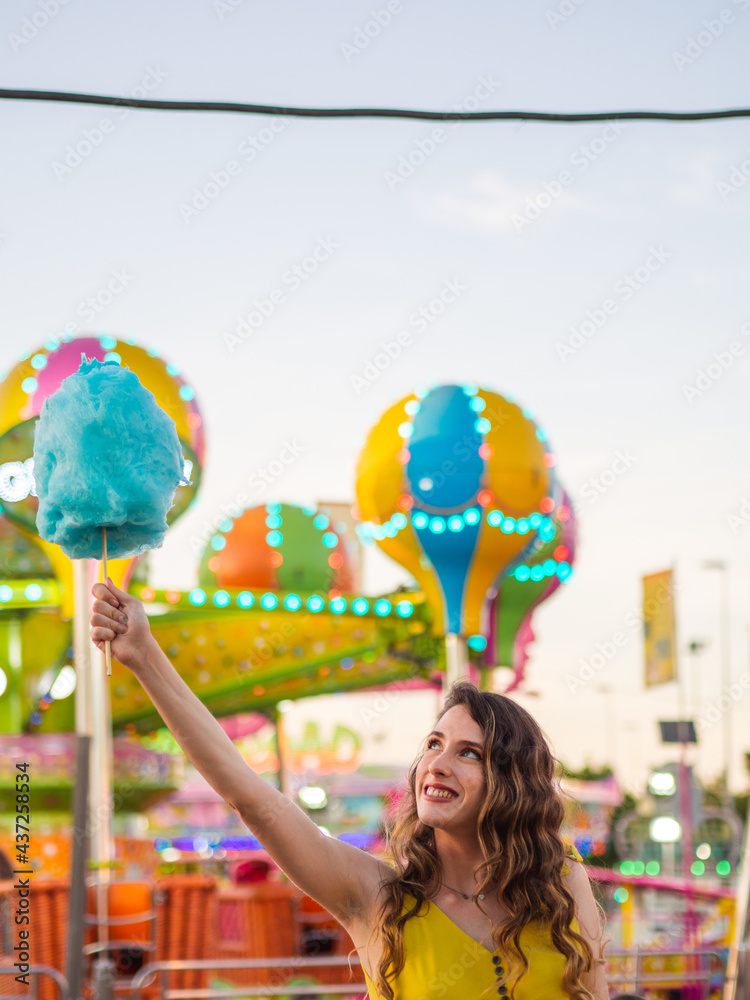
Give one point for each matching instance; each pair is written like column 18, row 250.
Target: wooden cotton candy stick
column 107, row 650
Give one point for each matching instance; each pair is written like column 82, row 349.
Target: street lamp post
column 695, row 648
column 724, row 635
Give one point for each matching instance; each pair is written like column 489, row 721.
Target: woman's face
column 450, row 783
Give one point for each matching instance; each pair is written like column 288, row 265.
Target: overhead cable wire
column 234, row 107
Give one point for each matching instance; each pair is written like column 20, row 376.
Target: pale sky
column 666, row 203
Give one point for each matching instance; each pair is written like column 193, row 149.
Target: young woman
column 479, row 900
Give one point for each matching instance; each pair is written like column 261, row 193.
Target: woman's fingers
column 119, row 594
column 106, row 609
column 99, row 635
column 102, row 593
column 103, row 623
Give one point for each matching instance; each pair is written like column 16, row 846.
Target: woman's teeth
column 438, row 793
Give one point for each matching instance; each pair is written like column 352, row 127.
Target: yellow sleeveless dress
column 445, row 963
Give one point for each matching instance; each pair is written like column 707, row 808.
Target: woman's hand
column 121, row 618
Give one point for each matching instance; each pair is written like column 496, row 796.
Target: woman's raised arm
column 340, row 877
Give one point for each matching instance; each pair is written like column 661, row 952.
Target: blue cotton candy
column 105, row 455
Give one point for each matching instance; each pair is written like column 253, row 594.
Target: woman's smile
column 439, row 793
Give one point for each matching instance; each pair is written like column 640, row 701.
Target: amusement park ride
column 456, row 483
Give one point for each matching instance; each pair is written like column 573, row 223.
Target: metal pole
column 726, row 676
column 686, row 821
column 724, row 655
column 80, row 849
column 15, row 681
column 740, row 918
column 101, row 807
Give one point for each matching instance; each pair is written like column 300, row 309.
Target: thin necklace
column 458, row 892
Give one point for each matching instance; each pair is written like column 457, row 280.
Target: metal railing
column 634, row 980
column 296, row 964
column 36, row 970
column 700, row 977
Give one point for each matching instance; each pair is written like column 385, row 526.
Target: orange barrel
column 124, row 899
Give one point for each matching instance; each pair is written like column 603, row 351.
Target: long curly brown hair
column 519, row 834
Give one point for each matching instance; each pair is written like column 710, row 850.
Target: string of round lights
column 235, row 107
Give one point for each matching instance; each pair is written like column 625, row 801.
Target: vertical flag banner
column 659, row 628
